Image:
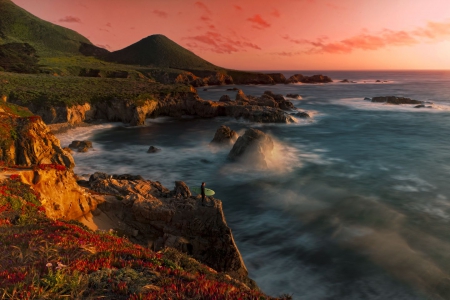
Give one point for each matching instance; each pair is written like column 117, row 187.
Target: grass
column 53, row 259
column 41, row 89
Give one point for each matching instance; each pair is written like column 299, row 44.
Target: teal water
column 356, row 201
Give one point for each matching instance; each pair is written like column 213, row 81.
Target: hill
column 19, row 26
column 159, row 51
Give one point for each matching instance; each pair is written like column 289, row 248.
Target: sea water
column 355, row 203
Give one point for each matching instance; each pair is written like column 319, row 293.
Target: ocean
column 355, row 203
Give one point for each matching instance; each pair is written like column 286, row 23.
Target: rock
column 4, row 98
column 295, row 78
column 225, row 98
column 224, row 135
column 302, row 114
column 205, row 90
column 419, row 106
column 367, row 99
column 33, row 143
column 240, row 96
column 378, row 81
column 181, row 190
column 294, row 96
column 153, row 149
column 395, row 100
column 233, row 89
column 309, row 79
column 277, row 77
column 283, row 103
column 81, row 146
column 174, row 220
column 345, row 81
column 218, row 79
column 252, row 148
column 267, row 100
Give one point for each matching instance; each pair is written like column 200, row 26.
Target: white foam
column 361, row 104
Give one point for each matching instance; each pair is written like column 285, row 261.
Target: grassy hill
column 159, row 51
column 19, row 26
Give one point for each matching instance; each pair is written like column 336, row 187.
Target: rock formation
column 308, row 79
column 81, row 146
column 252, row 148
column 30, row 142
column 294, row 96
column 224, row 136
column 225, row 98
column 162, row 218
column 240, row 96
column 277, row 77
column 302, row 114
column 396, row 100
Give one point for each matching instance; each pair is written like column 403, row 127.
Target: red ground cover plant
column 55, row 259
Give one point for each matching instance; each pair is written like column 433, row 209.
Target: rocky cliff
column 27, row 141
column 156, row 216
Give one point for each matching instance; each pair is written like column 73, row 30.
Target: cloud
column 70, row 19
column 202, row 6
column 102, row 29
column 132, row 28
column 218, row 43
column 205, row 18
column 275, row 13
column 432, row 32
column 160, row 13
column 259, row 22
column 108, row 24
column 237, row 7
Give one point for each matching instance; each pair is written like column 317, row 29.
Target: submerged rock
column 395, row 100
column 252, row 148
column 224, row 136
column 294, row 96
column 302, row 114
column 153, row 149
column 81, row 146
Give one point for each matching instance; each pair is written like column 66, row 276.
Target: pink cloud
column 108, row 25
column 70, row 19
column 237, row 7
column 275, row 13
column 218, row 43
column 203, row 6
column 259, row 22
column 160, row 13
column 432, row 32
column 205, row 18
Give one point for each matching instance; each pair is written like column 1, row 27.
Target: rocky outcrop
column 302, row 114
column 278, row 77
column 240, row 96
column 161, row 218
column 81, row 146
column 59, row 193
column 225, row 98
column 30, row 142
column 224, row 136
column 294, row 96
column 278, row 99
column 252, row 148
column 396, row 100
column 308, row 79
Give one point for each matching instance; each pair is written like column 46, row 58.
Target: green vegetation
column 17, row 57
column 159, row 51
column 25, row 89
column 19, row 26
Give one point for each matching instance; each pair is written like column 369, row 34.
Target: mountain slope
column 159, row 51
column 19, row 26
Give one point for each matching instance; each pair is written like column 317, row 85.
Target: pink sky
column 270, row 35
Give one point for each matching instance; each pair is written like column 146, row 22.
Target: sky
column 270, row 35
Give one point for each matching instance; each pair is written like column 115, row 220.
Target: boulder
column 367, row 99
column 283, row 103
column 302, row 114
column 295, row 78
column 267, row 100
column 233, row 89
column 396, row 100
column 309, row 79
column 252, row 148
column 345, row 81
column 294, row 96
column 181, row 190
column 225, row 98
column 224, row 135
column 153, row 149
column 240, row 96
column 81, row 146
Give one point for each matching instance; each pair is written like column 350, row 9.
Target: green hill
column 19, row 26
column 159, row 51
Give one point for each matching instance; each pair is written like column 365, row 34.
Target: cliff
column 38, row 206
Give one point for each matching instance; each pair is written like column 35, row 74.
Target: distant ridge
column 159, row 51
column 19, row 26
